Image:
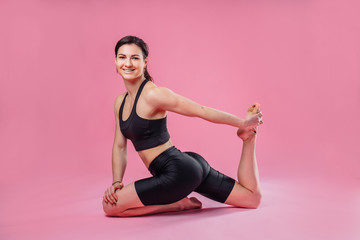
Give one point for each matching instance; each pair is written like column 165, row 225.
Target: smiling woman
column 140, row 116
column 127, row 63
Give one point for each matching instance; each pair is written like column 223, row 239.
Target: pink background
column 299, row 59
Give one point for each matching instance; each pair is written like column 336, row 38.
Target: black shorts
column 176, row 174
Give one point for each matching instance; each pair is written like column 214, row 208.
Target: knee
column 108, row 208
column 252, row 201
column 255, row 200
column 247, row 199
column 112, row 210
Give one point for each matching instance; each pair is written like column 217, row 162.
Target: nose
column 128, row 62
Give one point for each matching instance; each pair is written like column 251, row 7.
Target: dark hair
column 141, row 44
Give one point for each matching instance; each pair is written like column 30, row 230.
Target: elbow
column 119, row 148
column 119, row 145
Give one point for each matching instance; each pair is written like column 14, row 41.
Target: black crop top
column 144, row 133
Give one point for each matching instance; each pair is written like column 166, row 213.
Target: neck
column 133, row 85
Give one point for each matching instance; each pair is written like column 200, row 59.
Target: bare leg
column 248, row 174
column 246, row 192
column 183, row 204
column 129, row 204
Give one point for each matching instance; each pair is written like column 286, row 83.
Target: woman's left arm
column 165, row 99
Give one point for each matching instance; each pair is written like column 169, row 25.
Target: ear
column 146, row 61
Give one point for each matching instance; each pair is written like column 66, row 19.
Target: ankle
column 250, row 140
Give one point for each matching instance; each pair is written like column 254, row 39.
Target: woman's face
column 130, row 63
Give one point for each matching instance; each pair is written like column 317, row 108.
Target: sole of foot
column 247, row 134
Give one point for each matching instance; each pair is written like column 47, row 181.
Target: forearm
column 217, row 116
column 118, row 163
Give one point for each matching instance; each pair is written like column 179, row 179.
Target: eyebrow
column 131, row 55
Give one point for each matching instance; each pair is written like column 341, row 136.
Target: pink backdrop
column 299, row 59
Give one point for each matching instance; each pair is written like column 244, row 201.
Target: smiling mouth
column 128, row 70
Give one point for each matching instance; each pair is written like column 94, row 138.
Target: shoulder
column 159, row 97
column 118, row 100
column 155, row 93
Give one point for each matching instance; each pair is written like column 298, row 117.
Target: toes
column 251, row 109
column 195, row 200
column 255, row 108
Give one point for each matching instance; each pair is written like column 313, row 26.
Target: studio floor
column 290, row 209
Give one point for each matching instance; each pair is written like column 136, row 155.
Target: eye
column 136, row 58
column 121, row 57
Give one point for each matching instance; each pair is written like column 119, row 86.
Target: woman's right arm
column 119, row 146
column 119, row 155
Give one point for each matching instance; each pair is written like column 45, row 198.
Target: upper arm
column 164, row 99
column 119, row 139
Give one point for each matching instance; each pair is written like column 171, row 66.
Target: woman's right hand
column 109, row 195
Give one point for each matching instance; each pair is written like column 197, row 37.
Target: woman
column 140, row 115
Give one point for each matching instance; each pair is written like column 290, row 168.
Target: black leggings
column 176, row 174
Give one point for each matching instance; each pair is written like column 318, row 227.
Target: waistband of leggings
column 161, row 158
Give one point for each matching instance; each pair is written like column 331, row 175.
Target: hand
column 109, row 195
column 253, row 121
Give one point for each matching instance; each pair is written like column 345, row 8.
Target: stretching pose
column 140, row 115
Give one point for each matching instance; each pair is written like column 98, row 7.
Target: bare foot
column 249, row 133
column 189, row 203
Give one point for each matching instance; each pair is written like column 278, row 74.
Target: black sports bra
column 143, row 133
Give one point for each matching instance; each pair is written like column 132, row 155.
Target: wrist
column 116, row 182
column 242, row 123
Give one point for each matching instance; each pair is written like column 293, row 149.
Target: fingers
column 113, row 189
column 106, row 199
column 259, row 117
column 107, row 196
column 109, row 199
column 255, row 118
column 110, row 196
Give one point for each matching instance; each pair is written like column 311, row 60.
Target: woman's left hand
column 254, row 121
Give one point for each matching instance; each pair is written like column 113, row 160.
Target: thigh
column 215, row 185
column 177, row 177
column 127, row 198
